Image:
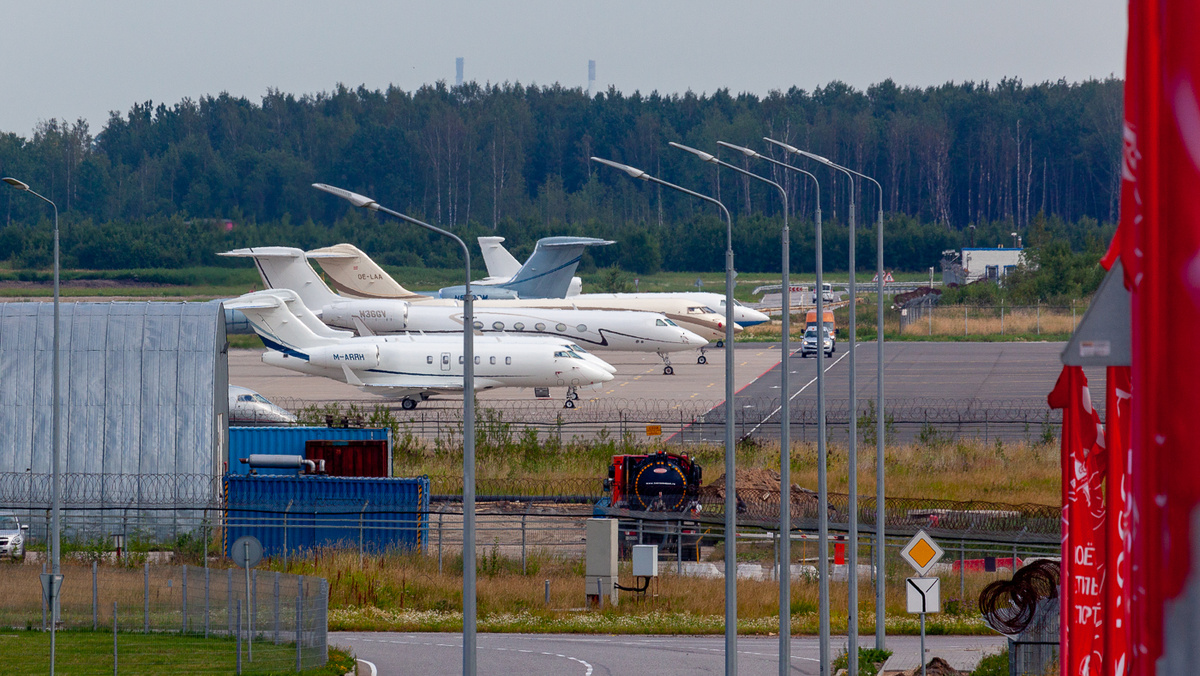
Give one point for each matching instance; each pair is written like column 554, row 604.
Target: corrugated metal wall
column 299, row 513
column 290, row 441
column 144, row 388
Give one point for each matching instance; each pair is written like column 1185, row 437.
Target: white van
column 827, row 292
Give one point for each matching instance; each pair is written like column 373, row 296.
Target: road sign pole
column 922, row 644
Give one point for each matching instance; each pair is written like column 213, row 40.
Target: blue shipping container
column 244, row 441
column 295, row 514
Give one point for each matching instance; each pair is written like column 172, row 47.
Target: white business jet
column 408, row 367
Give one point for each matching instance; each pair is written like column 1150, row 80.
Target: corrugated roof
column 143, row 386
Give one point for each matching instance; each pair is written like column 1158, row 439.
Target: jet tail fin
column 548, row 272
column 353, row 273
column 500, row 263
column 283, row 267
column 279, row 326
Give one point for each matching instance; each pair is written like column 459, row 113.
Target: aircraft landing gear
column 720, row 344
column 701, row 359
column 572, row 397
column 408, row 404
column 667, row 370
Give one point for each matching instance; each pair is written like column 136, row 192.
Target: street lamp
column 730, row 412
column 1014, row 236
column 53, row 584
column 785, row 460
column 822, row 480
column 469, row 610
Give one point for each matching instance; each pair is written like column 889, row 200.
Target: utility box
column 601, row 573
column 645, row 560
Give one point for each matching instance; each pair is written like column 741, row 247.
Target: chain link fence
column 287, row 612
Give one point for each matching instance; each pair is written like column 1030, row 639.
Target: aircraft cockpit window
column 575, row 356
column 671, row 323
column 661, row 322
column 562, row 353
column 245, row 397
column 260, row 399
column 577, row 348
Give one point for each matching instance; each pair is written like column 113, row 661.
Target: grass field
column 84, row 653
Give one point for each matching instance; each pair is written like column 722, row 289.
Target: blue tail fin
column 548, row 272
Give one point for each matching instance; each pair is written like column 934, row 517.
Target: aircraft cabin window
column 460, row 359
column 479, row 325
column 429, row 359
column 508, row 361
column 499, row 326
column 582, row 328
column 660, row 322
column 492, row 360
column 560, row 328
column 446, row 359
column 540, row 326
column 519, row 326
column 477, row 360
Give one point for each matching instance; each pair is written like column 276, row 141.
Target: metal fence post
column 1002, row 316
column 299, row 617
column 239, row 636
column 965, row 320
column 252, row 613
column 44, row 598
column 361, row 516
column 679, row 549
column 1039, row 316
column 146, row 598
column 962, row 568
column 207, row 607
column 229, row 598
column 547, row 593
column 523, row 544
column 285, row 531
column 276, row 593
column 184, row 596
column 95, row 598
column 439, row 542
column 114, row 638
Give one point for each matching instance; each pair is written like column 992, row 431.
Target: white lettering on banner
column 1084, row 555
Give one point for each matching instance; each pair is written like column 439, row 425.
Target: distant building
column 981, row 263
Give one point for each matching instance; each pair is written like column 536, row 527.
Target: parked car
column 13, row 536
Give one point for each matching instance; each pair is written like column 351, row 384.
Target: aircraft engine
column 356, row 357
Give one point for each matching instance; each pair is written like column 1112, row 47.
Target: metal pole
column 922, row 644
column 299, row 618
column 730, row 421
column 55, row 416
column 523, row 566
column 146, row 598
column 114, row 638
column 239, row 636
column 185, row 594
column 95, row 599
column 207, row 607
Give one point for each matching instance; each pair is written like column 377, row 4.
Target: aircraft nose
column 596, row 374
column 689, row 338
column 755, row 316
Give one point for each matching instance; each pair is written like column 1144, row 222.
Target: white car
column 12, row 537
column 809, row 344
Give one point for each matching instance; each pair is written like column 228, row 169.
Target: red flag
column 1117, row 568
column 1083, row 464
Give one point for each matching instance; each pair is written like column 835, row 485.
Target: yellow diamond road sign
column 921, row 552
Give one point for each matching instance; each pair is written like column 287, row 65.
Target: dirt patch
column 757, row 487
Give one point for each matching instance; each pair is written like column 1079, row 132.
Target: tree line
column 171, row 185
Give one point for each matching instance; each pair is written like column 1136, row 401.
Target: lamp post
column 785, row 460
column 55, row 436
column 852, row 558
column 469, row 610
column 822, row 480
column 730, row 412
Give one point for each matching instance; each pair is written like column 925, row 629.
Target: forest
column 167, row 186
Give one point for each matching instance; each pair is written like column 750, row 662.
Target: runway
column 557, row 654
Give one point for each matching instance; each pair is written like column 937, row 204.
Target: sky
column 83, row 59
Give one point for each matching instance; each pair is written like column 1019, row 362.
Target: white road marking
column 778, row 408
column 588, row 669
column 374, row 671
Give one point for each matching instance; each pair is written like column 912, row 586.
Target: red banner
column 1083, row 465
column 1117, row 561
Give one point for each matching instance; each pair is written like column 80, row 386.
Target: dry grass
column 963, row 321
column 951, row 470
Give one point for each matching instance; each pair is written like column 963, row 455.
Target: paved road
column 976, row 376
column 536, row 654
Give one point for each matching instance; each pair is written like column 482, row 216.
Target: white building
column 994, row 264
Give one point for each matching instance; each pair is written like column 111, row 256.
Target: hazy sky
column 83, row 58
